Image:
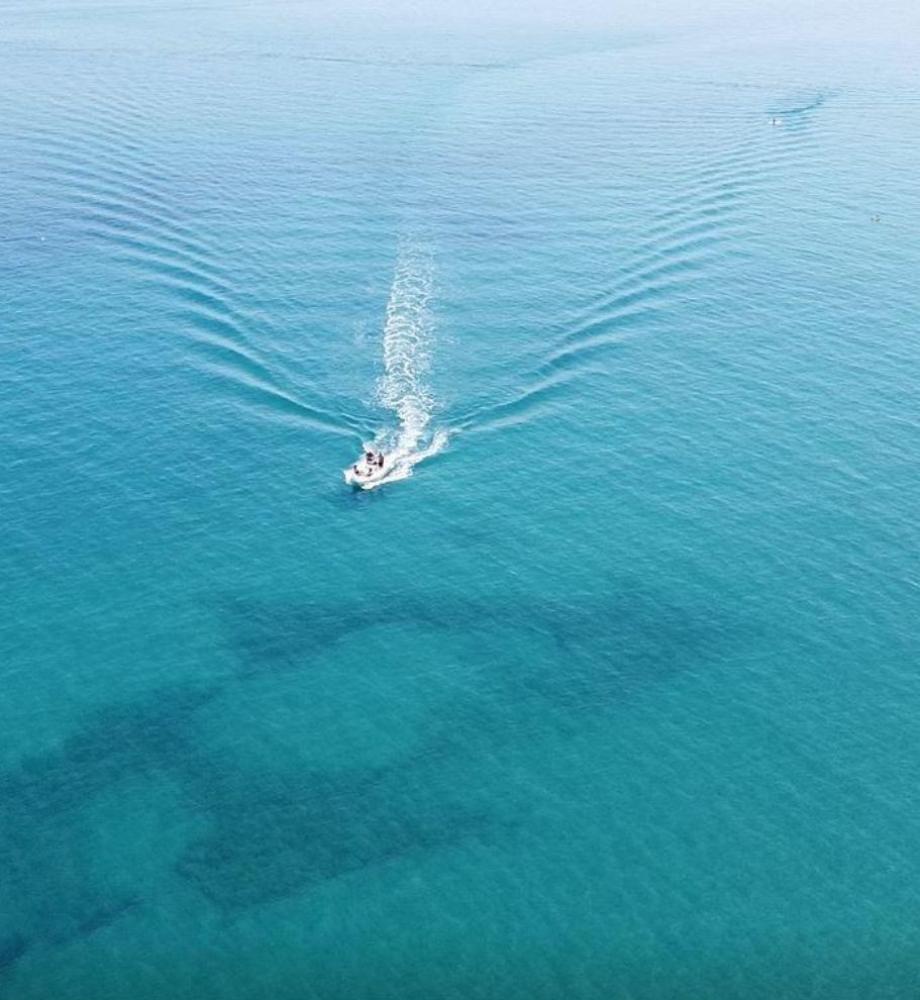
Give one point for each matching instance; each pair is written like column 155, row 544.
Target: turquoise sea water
column 618, row 695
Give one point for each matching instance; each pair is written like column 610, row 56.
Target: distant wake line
column 407, row 337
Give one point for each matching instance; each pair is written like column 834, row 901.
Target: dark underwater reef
column 51, row 896
column 275, row 832
column 295, row 831
column 607, row 646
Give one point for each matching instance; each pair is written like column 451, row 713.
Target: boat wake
column 402, row 389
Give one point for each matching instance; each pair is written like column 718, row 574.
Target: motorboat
column 370, row 470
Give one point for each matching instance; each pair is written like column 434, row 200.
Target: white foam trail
column 407, row 339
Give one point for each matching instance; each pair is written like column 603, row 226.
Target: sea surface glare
column 612, row 692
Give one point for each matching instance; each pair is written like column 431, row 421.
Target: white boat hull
column 366, row 475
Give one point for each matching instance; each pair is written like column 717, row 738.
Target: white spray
column 407, row 337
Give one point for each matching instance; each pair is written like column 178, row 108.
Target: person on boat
column 380, row 459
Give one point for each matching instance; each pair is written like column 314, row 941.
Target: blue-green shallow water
column 618, row 695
